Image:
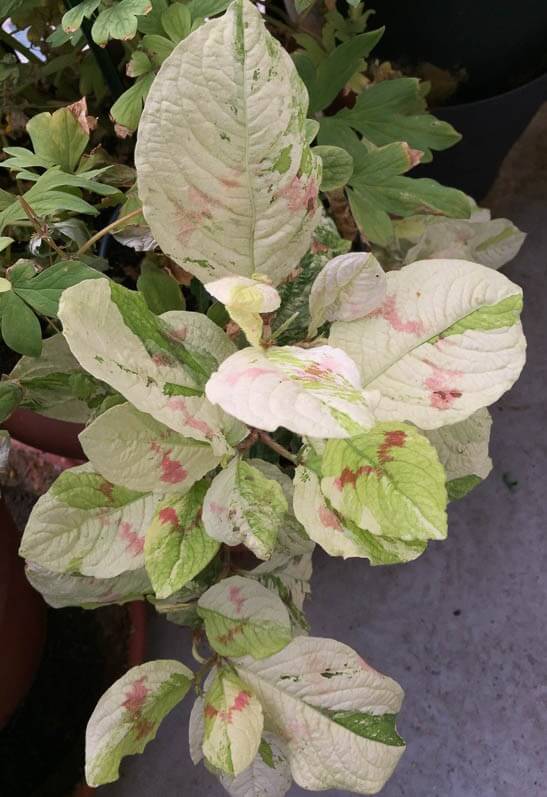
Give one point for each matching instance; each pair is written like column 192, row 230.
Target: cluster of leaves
column 311, row 397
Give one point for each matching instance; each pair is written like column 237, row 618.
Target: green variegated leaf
column 244, row 618
column 245, row 299
column 159, row 364
column 86, row 525
column 140, row 453
column 176, row 547
column 128, row 715
column 347, row 287
column 269, row 775
column 243, row 506
column 335, row 713
column 243, row 196
column 315, row 392
column 463, row 451
column 445, row 342
column 340, row 537
column 388, row 481
column 55, row 385
column 233, row 723
column 66, row 589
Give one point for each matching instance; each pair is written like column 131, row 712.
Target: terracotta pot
column 22, row 622
column 47, row 434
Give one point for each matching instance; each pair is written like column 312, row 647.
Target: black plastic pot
column 490, row 128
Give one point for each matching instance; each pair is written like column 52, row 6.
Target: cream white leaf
column 67, row 589
column 268, row 776
column 335, row 713
column 245, row 300
column 128, row 715
column 348, row 287
column 86, row 525
column 315, row 392
column 445, row 342
column 240, row 195
column 136, row 451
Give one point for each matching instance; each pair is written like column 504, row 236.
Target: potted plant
column 300, row 394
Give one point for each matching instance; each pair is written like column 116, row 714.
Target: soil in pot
column 42, row 747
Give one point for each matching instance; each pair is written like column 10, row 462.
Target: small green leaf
column 119, row 21
column 337, row 167
column 74, row 17
column 59, row 137
column 5, row 241
column 127, row 109
column 311, row 128
column 139, row 64
column 10, row 398
column 177, row 22
column 160, row 290
column 20, row 328
column 158, row 48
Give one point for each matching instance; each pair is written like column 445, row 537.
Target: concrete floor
column 463, row 627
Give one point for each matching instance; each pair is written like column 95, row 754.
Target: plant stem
column 40, row 227
column 15, row 44
column 106, row 230
column 277, row 447
column 285, row 325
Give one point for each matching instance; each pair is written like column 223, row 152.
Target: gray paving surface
column 463, row 627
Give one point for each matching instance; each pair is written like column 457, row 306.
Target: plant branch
column 106, row 230
column 15, row 44
column 277, row 447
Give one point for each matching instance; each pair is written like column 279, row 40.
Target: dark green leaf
column 20, row 328
column 160, row 290
column 373, row 222
column 44, row 290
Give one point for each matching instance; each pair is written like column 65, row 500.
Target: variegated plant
column 216, row 463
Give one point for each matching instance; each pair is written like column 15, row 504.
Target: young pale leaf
column 245, row 299
column 115, row 337
column 335, row 713
column 85, row 524
column 119, row 21
column 269, row 775
column 176, row 547
column 340, row 537
column 43, row 290
column 337, row 167
column 54, row 384
column 314, row 392
column 21, row 329
column 388, row 481
column 348, row 287
column 243, row 506
column 128, row 715
column 160, row 290
column 240, row 197
column 66, row 589
column 58, row 137
column 463, row 451
column 233, row 723
column 244, row 618
column 446, row 342
column 132, row 448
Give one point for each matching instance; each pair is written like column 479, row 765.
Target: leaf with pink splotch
column 388, row 481
column 160, row 365
column 70, row 589
column 240, row 197
column 232, row 723
column 129, row 713
column 338, row 536
column 335, row 713
column 242, row 505
column 348, row 287
column 445, row 342
column 314, row 392
column 87, row 525
column 138, row 452
column 244, row 618
column 245, row 299
column 176, row 547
